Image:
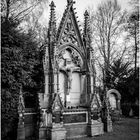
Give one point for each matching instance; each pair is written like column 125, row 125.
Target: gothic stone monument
column 69, row 107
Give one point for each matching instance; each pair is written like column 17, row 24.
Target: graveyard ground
column 125, row 129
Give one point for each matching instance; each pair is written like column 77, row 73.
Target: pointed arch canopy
column 73, row 47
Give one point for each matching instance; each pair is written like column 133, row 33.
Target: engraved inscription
column 75, row 118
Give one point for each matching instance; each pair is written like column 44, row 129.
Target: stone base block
column 96, row 128
column 56, row 133
column 43, row 133
column 76, row 131
column 21, row 133
column 108, row 125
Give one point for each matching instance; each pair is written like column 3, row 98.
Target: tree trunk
column 135, row 48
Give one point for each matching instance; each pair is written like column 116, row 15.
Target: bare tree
column 17, row 9
column 132, row 28
column 29, row 14
column 107, row 27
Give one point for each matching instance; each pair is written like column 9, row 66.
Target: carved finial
column 86, row 22
column 52, row 22
column 52, row 5
column 87, row 31
column 70, row 2
column 86, row 14
column 52, row 27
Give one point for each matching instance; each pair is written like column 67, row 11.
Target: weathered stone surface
column 58, row 133
column 21, row 133
column 76, row 130
column 96, row 128
column 42, row 133
column 114, row 98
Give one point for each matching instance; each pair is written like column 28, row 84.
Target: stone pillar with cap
column 21, row 111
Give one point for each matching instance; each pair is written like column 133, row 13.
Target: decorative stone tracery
column 69, row 33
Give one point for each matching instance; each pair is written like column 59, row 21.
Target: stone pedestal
column 95, row 128
column 21, row 133
column 108, row 125
column 58, row 133
column 42, row 133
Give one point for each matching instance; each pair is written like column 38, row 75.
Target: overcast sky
column 80, row 5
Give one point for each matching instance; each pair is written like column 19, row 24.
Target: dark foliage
column 20, row 65
column 132, row 28
column 117, row 73
column 123, row 78
column 130, row 88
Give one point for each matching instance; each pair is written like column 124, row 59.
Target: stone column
column 46, row 83
column 92, row 85
column 45, row 96
column 108, row 124
column 21, row 111
column 88, row 88
column 44, row 122
column 21, row 127
column 55, row 82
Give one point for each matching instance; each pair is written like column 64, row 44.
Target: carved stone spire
column 51, row 49
column 48, row 50
column 87, row 43
column 86, row 25
column 87, row 34
column 52, row 23
column 52, row 34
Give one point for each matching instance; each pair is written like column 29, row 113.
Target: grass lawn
column 125, row 129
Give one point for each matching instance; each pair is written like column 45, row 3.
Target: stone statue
column 43, row 118
column 68, row 69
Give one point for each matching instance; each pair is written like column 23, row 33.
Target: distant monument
column 69, row 107
column 114, row 98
